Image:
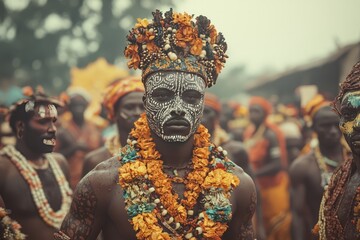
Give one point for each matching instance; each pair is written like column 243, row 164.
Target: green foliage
column 40, row 40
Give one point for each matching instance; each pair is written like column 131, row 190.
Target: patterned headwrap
column 32, row 97
column 119, row 89
column 314, row 105
column 213, row 101
column 351, row 83
column 262, row 102
column 175, row 42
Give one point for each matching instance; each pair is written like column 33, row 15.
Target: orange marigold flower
column 130, row 171
column 196, row 47
column 152, row 47
column 144, row 22
column 219, row 178
column 213, row 34
column 132, row 52
column 212, row 230
column 185, row 34
column 182, row 18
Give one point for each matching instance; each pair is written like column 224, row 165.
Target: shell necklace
column 50, row 217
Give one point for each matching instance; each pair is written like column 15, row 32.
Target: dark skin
column 305, row 173
column 77, row 107
column 349, row 114
column 106, row 211
column 127, row 110
column 272, row 164
column 14, row 190
column 226, row 116
column 238, row 154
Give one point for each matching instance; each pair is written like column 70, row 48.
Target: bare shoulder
column 5, row 166
column 243, row 202
column 300, row 166
column 93, row 158
column 60, row 159
column 105, row 174
column 245, row 192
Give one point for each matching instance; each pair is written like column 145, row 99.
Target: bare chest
column 17, row 195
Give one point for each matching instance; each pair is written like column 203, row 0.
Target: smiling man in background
column 33, row 180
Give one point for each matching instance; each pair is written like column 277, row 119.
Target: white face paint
column 174, row 104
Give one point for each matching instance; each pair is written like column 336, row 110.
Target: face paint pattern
column 347, row 124
column 29, row 106
column 46, row 111
column 159, row 113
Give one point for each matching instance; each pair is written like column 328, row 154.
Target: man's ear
column 144, row 100
column 20, row 127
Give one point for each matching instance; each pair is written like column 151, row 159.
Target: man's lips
column 177, row 122
column 50, row 141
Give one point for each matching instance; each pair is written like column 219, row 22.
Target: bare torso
column 103, row 208
column 16, row 196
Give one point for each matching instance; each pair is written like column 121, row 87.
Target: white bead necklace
column 50, row 217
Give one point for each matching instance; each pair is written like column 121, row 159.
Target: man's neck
column 176, row 154
column 27, row 152
column 334, row 152
column 79, row 121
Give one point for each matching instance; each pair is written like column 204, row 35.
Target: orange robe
column 274, row 189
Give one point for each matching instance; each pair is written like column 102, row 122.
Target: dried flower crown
column 176, row 42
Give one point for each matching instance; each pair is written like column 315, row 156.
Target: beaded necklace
column 50, row 217
column 153, row 206
column 9, row 228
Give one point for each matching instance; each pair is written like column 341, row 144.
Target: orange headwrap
column 314, row 105
column 211, row 100
column 118, row 89
column 262, row 102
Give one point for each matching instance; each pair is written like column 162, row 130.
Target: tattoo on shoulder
column 247, row 231
column 78, row 223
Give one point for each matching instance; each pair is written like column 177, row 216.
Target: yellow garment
column 276, row 209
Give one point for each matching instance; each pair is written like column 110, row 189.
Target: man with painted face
column 267, row 156
column 123, row 102
column 339, row 209
column 170, row 181
column 33, row 180
column 310, row 173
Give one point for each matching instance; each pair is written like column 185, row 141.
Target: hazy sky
column 279, row 34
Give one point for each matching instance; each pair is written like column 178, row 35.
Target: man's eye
column 348, row 114
column 162, row 95
column 192, row 96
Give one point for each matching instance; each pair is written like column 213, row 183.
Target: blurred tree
column 40, row 39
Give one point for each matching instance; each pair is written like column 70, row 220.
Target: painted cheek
column 347, row 127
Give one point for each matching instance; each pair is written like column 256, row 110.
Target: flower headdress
column 176, row 42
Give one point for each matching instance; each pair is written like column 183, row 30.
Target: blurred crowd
column 290, row 151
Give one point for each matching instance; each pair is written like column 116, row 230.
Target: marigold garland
column 151, row 203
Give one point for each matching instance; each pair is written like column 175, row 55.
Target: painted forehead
column 352, row 98
column 175, row 81
column 45, row 111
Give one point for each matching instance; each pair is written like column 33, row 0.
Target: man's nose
column 52, row 128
